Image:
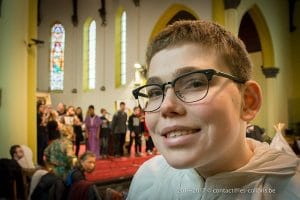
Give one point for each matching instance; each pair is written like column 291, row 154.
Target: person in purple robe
column 92, row 124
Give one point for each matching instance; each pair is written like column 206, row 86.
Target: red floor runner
column 116, row 168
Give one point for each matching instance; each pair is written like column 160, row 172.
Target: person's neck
column 230, row 161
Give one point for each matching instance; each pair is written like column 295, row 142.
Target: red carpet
column 116, row 168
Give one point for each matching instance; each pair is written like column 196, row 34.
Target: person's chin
column 179, row 162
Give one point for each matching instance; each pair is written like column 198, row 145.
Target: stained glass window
column 92, row 56
column 123, row 48
column 57, row 57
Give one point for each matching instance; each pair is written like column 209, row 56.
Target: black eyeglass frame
column 209, row 73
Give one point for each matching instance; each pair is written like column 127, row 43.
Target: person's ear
column 252, row 100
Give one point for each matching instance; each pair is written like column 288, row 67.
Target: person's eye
column 195, row 84
column 154, row 93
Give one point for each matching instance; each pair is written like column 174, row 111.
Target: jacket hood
column 265, row 161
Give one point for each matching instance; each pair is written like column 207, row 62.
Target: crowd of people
column 61, row 132
column 103, row 135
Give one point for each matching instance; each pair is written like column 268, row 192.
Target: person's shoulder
column 146, row 179
column 158, row 180
column 156, row 164
column 293, row 186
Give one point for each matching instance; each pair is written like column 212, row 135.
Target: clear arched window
column 120, row 48
column 57, row 57
column 123, row 48
column 89, row 55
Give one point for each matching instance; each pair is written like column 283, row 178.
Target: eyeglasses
column 189, row 88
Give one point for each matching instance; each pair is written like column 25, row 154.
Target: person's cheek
column 149, row 122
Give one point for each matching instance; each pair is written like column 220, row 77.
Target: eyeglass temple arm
column 236, row 79
column 136, row 94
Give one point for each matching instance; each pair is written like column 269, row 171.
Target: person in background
column 42, row 138
column 255, row 132
column 59, row 154
column 148, row 139
column 69, row 116
column 135, row 127
column 80, row 188
column 92, row 127
column 78, row 113
column 105, row 132
column 22, row 156
column 61, row 111
column 119, row 128
column 78, row 129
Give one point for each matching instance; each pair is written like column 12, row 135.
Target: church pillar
column 31, row 77
column 231, row 16
column 15, row 77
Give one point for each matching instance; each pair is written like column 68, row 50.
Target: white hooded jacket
column 270, row 174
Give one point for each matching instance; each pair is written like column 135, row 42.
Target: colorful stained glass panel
column 57, row 57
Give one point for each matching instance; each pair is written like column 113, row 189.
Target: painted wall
column 275, row 13
column 139, row 26
column 294, row 100
column 13, row 74
column 262, row 117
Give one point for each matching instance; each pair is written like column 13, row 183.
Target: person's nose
column 171, row 105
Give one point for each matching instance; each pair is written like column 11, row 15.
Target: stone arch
column 173, row 13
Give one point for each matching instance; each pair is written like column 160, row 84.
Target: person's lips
column 177, row 131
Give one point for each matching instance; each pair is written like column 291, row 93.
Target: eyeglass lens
column 188, row 88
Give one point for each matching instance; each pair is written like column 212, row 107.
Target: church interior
column 92, row 52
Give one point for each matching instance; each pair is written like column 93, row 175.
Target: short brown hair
column 210, row 36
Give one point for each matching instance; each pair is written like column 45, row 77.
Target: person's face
column 104, row 113
column 19, row 153
column 42, row 108
column 89, row 164
column 60, row 108
column 92, row 111
column 78, row 111
column 71, row 111
column 194, row 134
column 122, row 107
column 137, row 111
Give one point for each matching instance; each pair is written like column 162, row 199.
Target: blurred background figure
column 104, row 133
column 135, row 127
column 80, row 188
column 119, row 128
column 92, row 127
column 78, row 119
column 59, row 153
column 23, row 155
column 255, row 132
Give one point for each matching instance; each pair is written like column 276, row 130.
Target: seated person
column 12, row 185
column 80, row 188
column 198, row 99
column 255, row 132
column 35, row 179
column 59, row 154
column 23, row 155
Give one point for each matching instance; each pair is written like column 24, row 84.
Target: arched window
column 123, row 48
column 57, row 57
column 121, row 61
column 89, row 63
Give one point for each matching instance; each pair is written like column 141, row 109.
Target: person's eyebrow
column 154, row 80
column 178, row 72
column 184, row 70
